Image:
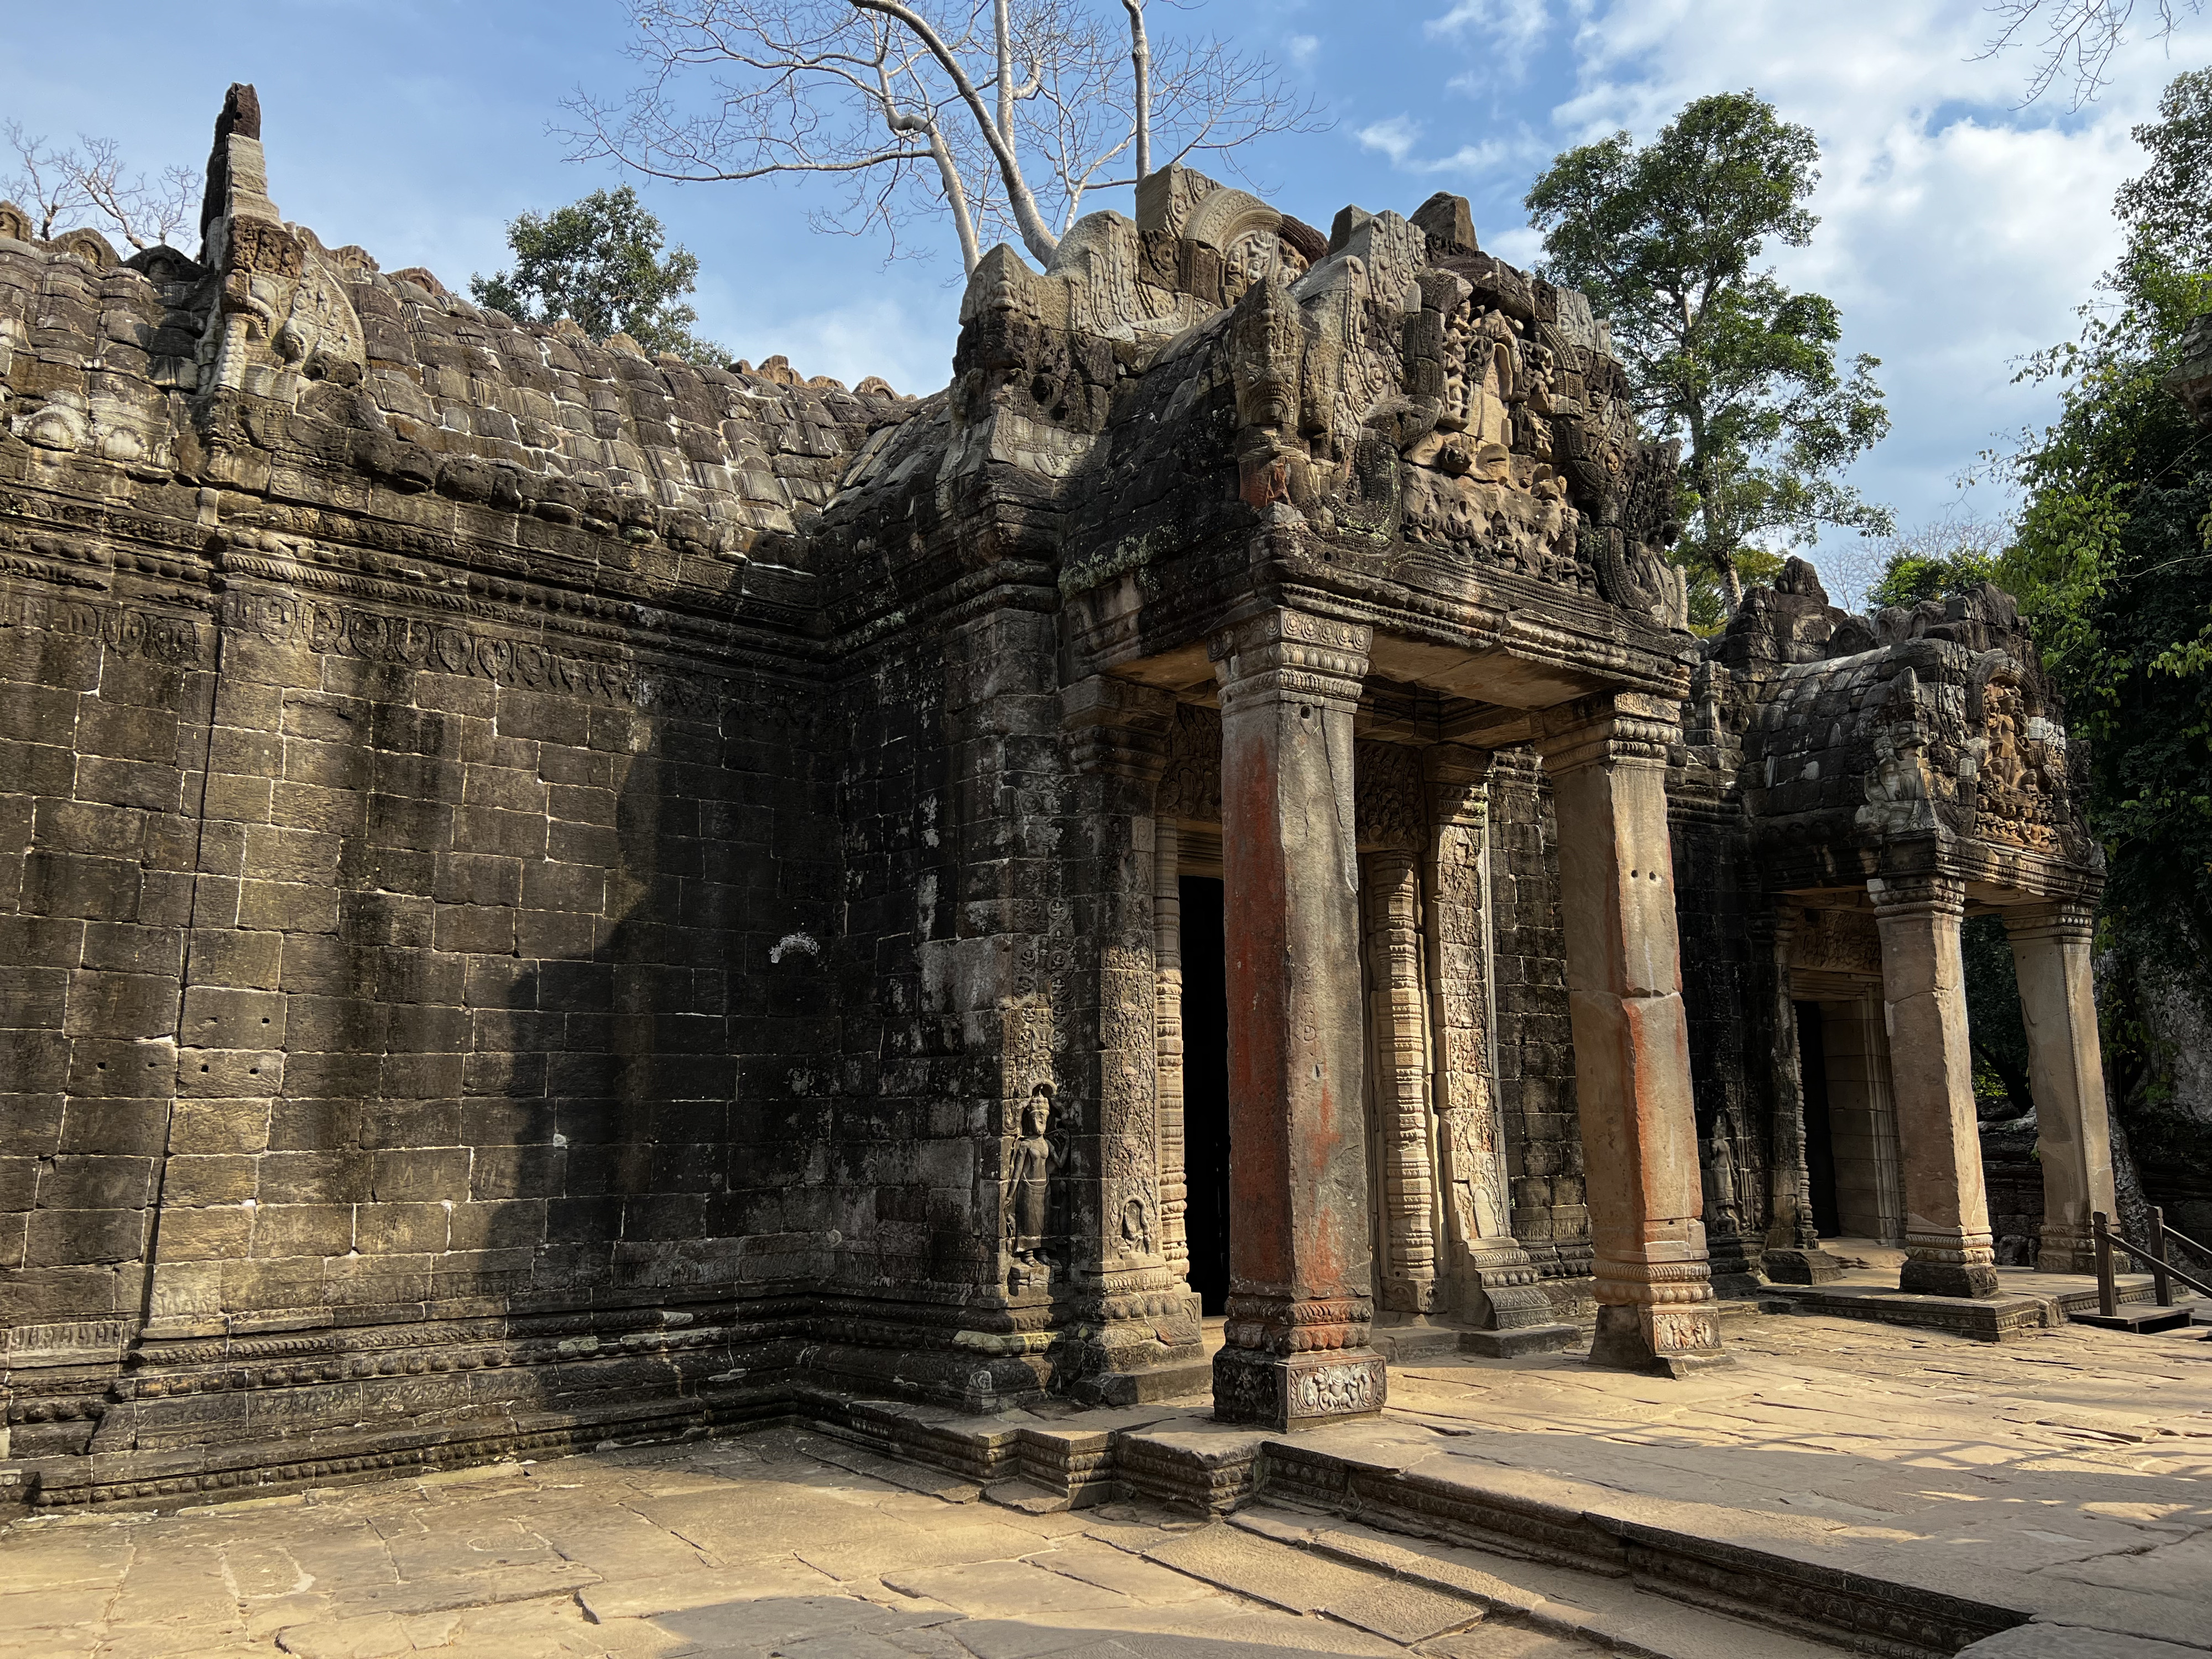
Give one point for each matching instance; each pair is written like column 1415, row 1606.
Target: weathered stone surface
column 548, row 898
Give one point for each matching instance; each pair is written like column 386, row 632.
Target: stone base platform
column 2142, row 1321
column 2026, row 1300
column 1426, row 1339
column 1992, row 1319
column 1844, row 1482
column 1139, row 1388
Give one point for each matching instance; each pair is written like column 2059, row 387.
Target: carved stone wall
column 549, row 895
column 1533, row 1046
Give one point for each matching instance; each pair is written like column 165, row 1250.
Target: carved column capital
column 1900, row 895
column 1609, row 728
column 2060, row 919
column 1290, row 653
column 1117, row 728
column 1459, row 785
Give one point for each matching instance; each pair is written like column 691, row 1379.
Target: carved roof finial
column 241, row 118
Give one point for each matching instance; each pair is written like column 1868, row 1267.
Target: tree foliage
column 1938, row 560
column 2112, row 559
column 600, row 263
column 1666, row 239
column 1000, row 116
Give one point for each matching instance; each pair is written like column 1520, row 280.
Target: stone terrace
column 2057, row 1479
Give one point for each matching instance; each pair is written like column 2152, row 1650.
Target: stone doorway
column 1205, row 1088
column 1847, row 1050
column 1820, row 1131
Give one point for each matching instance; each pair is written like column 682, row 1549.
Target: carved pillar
column 1398, row 1025
column 1947, row 1245
column 1301, row 1277
column 1167, row 954
column 1487, row 1276
column 1608, row 759
column 2066, row 1071
column 1138, row 1316
column 1793, row 1254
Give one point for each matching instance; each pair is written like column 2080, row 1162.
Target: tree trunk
column 1141, row 66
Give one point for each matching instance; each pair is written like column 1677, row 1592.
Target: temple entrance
column 1205, row 1088
column 1819, row 1144
column 1851, row 1152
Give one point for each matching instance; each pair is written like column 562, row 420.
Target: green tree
column 2111, row 560
column 1666, row 239
column 2112, row 565
column 599, row 263
column 1938, row 560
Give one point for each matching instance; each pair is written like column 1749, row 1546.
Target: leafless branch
column 147, row 214
column 1000, row 115
column 61, row 187
column 47, row 183
column 2079, row 39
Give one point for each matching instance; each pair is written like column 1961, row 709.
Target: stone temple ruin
column 552, row 895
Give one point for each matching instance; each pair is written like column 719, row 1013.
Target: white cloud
column 1507, row 32
column 1302, row 50
column 885, row 337
column 1398, row 137
column 1394, row 137
column 1958, row 231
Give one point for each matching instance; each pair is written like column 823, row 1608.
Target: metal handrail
column 2108, row 1300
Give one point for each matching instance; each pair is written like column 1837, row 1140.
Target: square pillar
column 1485, row 1274
column 1398, row 1018
column 1606, row 757
column 1167, row 956
column 1300, row 1294
column 1140, row 1331
column 1947, row 1246
column 2066, row 1073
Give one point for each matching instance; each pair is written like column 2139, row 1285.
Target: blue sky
column 1958, row 231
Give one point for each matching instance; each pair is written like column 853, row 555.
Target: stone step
column 2143, row 1321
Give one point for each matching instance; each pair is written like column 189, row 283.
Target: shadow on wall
column 593, row 1012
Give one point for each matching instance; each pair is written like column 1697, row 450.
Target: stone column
column 2066, row 1071
column 1793, row 1255
column 1606, row 756
column 1301, row 1277
column 1487, row 1275
column 1167, row 955
column 1947, row 1246
column 1398, row 1022
column 1142, row 1320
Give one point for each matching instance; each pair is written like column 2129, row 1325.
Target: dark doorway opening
column 1819, row 1147
column 1206, row 1089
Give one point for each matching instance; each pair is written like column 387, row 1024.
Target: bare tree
column 147, row 214
column 1002, row 115
column 48, row 184
column 55, row 186
column 2079, row 38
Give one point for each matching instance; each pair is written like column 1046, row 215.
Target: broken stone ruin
column 554, row 896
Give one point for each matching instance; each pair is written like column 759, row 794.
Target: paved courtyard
column 764, row 1545
column 2065, row 1473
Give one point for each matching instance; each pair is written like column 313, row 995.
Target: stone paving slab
column 762, row 1548
column 2064, row 1476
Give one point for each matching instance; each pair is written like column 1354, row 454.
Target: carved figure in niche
column 1029, row 1181
column 1136, row 1227
column 1721, row 1181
